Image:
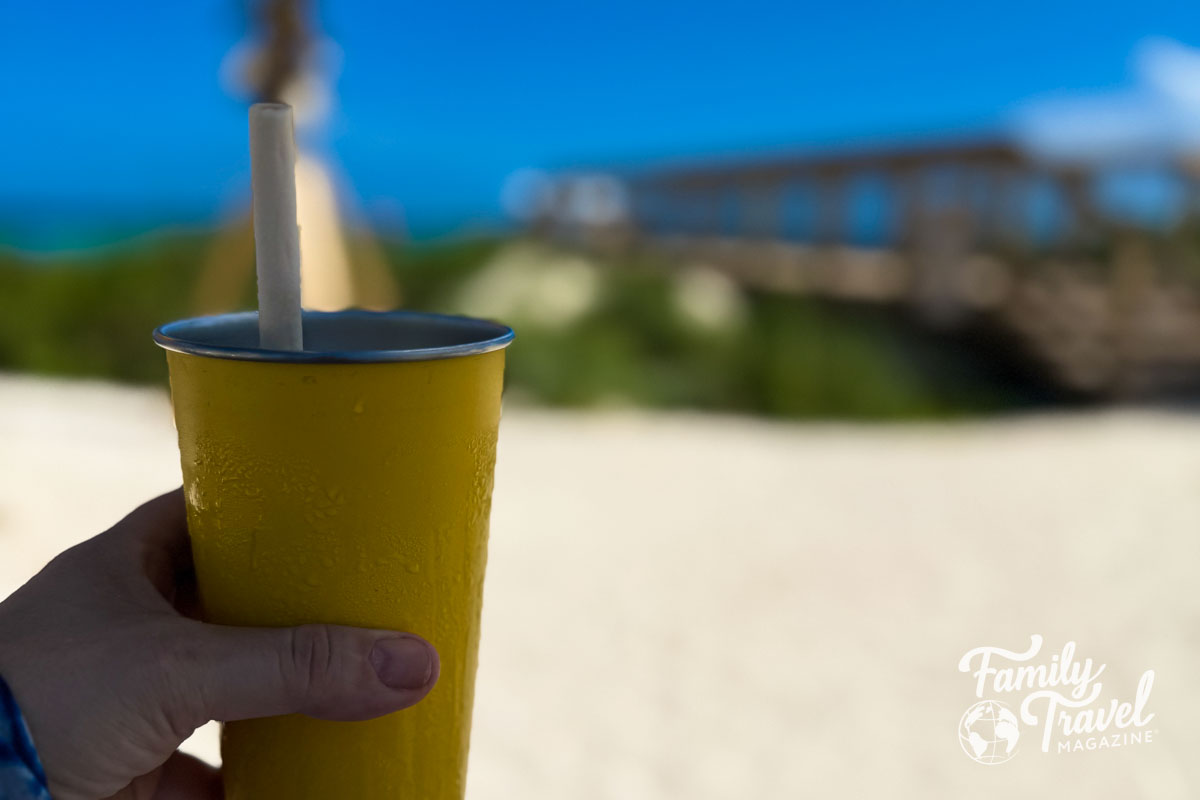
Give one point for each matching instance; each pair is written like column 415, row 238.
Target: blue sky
column 116, row 110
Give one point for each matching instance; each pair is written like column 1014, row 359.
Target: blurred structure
column 280, row 63
column 975, row 234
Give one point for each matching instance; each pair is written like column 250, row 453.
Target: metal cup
column 350, row 483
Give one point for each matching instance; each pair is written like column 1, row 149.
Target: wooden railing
column 961, row 234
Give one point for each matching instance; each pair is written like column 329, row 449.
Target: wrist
column 21, row 773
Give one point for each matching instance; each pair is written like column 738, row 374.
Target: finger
column 159, row 523
column 181, row 777
column 158, row 529
column 185, row 777
column 324, row 671
column 153, row 540
column 155, row 533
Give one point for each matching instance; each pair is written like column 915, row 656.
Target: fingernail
column 402, row 662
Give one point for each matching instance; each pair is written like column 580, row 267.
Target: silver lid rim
column 491, row 336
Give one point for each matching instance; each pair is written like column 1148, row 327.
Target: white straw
column 276, row 235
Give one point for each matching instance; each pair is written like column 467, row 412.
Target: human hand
column 111, row 675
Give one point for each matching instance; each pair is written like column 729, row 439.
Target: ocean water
column 58, row 227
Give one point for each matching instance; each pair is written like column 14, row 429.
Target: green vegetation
column 91, row 315
column 588, row 332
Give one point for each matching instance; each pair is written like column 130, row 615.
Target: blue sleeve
column 21, row 775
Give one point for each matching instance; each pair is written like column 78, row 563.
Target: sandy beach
column 700, row 607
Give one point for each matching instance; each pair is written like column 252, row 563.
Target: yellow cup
column 350, row 483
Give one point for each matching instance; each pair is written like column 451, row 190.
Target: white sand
column 695, row 607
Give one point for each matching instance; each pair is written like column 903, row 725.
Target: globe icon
column 988, row 732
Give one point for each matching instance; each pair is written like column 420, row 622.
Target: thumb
column 324, row 671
